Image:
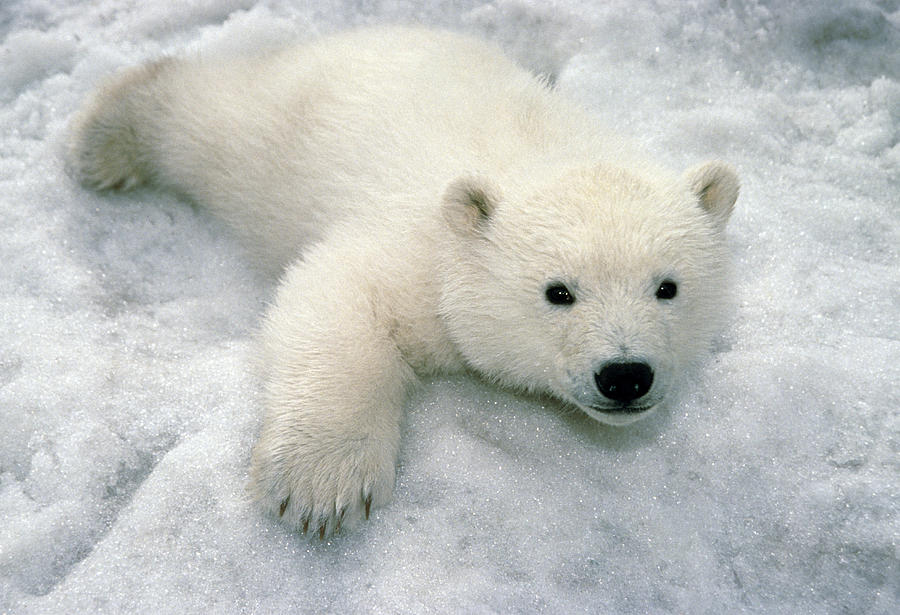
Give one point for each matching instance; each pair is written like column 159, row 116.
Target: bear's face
column 598, row 288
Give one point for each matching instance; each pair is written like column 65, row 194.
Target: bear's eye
column 667, row 290
column 558, row 294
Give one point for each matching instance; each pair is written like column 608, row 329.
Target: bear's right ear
column 716, row 186
column 469, row 203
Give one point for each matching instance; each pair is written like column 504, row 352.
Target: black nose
column 624, row 382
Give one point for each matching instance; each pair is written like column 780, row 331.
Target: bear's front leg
column 335, row 384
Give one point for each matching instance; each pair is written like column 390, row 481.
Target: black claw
column 322, row 530
column 305, row 525
column 368, row 505
column 340, row 519
column 284, row 505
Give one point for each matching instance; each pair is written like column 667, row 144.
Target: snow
column 128, row 400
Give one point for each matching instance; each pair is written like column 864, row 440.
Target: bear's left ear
column 469, row 203
column 716, row 187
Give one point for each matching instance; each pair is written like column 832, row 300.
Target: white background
column 128, row 404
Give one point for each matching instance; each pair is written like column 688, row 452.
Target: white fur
column 440, row 189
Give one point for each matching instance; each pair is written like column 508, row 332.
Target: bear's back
column 405, row 111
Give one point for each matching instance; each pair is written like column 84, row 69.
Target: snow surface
column 128, row 405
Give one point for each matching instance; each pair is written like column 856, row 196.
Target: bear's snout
column 624, row 382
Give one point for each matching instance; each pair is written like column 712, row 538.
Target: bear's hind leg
column 110, row 147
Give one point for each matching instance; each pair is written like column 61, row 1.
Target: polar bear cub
column 437, row 209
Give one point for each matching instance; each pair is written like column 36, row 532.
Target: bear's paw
column 324, row 483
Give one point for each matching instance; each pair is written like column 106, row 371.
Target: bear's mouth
column 615, row 412
column 622, row 414
column 622, row 409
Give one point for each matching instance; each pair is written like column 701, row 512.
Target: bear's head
column 600, row 286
